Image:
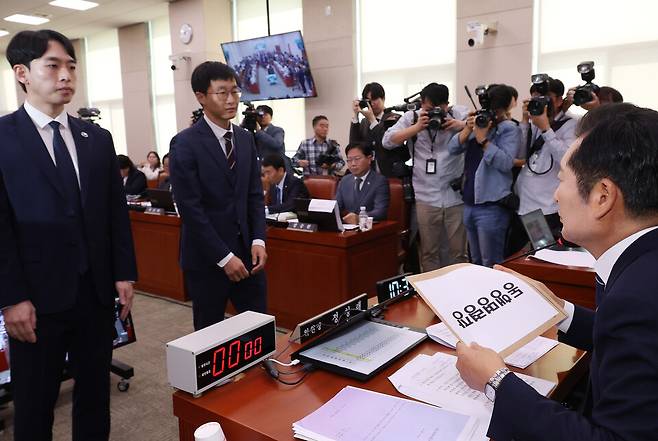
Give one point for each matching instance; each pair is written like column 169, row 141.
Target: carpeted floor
column 143, row 413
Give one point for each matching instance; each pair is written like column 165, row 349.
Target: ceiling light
column 3, row 33
column 27, row 19
column 79, row 5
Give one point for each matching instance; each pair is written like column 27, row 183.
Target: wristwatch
column 492, row 385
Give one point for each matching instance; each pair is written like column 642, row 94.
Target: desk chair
column 398, row 210
column 321, row 187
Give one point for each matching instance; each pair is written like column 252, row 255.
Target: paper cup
column 209, row 432
column 369, row 223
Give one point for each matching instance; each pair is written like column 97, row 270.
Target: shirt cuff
column 225, row 260
column 260, row 242
column 565, row 324
column 373, row 125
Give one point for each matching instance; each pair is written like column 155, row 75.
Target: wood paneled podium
column 258, row 408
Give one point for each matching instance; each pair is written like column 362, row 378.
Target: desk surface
column 334, row 239
column 258, row 408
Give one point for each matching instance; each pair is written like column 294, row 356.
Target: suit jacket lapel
column 361, row 195
column 242, row 163
column 32, row 142
column 84, row 156
column 212, row 145
column 646, row 243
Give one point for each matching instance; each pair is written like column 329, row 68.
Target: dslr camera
column 330, row 157
column 251, row 117
column 485, row 114
column 90, row 114
column 437, row 117
column 363, row 103
column 537, row 104
column 585, row 93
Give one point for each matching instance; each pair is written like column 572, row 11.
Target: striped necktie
column 230, row 151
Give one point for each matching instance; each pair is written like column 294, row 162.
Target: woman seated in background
column 151, row 167
column 134, row 181
column 164, row 176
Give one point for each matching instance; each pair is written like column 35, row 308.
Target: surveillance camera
column 176, row 61
column 173, row 67
column 477, row 32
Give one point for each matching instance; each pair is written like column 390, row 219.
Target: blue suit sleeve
column 581, row 329
column 255, row 200
column 502, row 150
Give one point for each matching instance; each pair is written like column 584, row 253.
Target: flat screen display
column 272, row 67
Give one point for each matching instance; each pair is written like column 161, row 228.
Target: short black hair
column 317, row 119
column 273, row 160
column 594, row 117
column 30, row 45
column 266, row 109
column 365, row 148
column 437, row 93
column 554, row 85
column 499, row 96
column 513, row 91
column 125, row 162
column 375, row 90
column 609, row 94
column 165, row 157
column 622, row 146
column 208, row 71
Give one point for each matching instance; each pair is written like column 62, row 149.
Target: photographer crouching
column 439, row 208
column 319, row 155
column 490, row 142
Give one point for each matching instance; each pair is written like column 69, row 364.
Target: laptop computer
column 161, row 199
column 326, row 220
column 539, row 232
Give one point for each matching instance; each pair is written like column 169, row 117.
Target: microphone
column 414, row 105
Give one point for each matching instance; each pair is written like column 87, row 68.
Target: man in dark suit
column 270, row 139
column 370, row 130
column 284, row 187
column 65, row 244
column 608, row 203
column 216, row 177
column 364, row 187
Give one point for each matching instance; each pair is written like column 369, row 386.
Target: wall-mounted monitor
column 273, row 67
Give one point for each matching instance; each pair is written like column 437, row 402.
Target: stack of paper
column 568, row 258
column 435, row 380
column 358, row 414
column 521, row 358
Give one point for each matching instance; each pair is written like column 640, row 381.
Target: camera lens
column 471, row 42
column 173, row 67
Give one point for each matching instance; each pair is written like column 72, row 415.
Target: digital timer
column 394, row 287
column 211, row 355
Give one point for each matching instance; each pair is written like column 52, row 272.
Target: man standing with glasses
column 216, row 178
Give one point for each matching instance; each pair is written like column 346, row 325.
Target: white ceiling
column 75, row 24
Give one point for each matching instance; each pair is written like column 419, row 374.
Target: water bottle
column 363, row 219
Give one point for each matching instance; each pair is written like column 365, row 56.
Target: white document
column 521, row 358
column 350, row 227
column 321, row 205
column 288, row 216
column 366, row 347
column 359, row 414
column 493, row 308
column 435, row 380
column 568, row 258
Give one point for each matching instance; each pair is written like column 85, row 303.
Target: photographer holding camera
column 319, row 155
column 490, row 142
column 372, row 127
column 546, row 134
column 439, row 207
column 590, row 96
column 269, row 138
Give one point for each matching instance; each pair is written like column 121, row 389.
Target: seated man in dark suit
column 608, row 203
column 134, row 181
column 364, row 187
column 284, row 187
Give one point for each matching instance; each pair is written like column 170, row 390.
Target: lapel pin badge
column 84, row 134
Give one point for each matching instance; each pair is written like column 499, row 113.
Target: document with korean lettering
column 493, row 308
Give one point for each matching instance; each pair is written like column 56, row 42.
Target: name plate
column 154, row 210
column 303, row 226
column 329, row 319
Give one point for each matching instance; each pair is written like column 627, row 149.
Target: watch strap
column 497, row 377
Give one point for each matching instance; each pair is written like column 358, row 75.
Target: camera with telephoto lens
column 251, row 116
column 330, row 157
column 537, row 104
column 585, row 93
column 363, row 103
column 485, row 115
column 437, row 117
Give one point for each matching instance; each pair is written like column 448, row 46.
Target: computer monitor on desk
column 161, row 199
column 319, row 211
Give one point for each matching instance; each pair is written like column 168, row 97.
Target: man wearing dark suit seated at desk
column 363, row 187
column 66, row 248
column 608, row 203
column 216, row 179
column 284, row 187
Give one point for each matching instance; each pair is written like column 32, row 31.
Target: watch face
column 490, row 392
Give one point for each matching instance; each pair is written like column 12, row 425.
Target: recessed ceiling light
column 3, row 32
column 79, row 5
column 27, row 19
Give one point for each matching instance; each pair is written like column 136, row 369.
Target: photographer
column 372, row 127
column 269, row 138
column 604, row 95
column 491, row 142
column 319, row 155
column 439, row 208
column 546, row 134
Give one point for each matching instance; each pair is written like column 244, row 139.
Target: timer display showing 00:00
column 252, row 348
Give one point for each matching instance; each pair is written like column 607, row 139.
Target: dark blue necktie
column 277, row 194
column 599, row 290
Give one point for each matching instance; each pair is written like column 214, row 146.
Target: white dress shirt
column 280, row 186
column 603, row 267
column 41, row 121
column 363, row 179
column 219, row 133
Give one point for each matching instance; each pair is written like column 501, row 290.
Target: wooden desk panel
column 257, row 408
column 157, row 241
column 571, row 283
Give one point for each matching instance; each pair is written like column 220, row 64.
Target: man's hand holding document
column 499, row 310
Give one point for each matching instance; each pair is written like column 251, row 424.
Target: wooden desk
column 257, row 408
column 157, row 242
column 308, row 273
column 572, row 283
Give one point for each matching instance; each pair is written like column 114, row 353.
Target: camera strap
column 539, row 143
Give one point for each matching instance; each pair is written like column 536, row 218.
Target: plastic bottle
column 363, row 219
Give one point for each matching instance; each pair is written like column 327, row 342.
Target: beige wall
column 505, row 57
column 211, row 24
column 136, row 82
